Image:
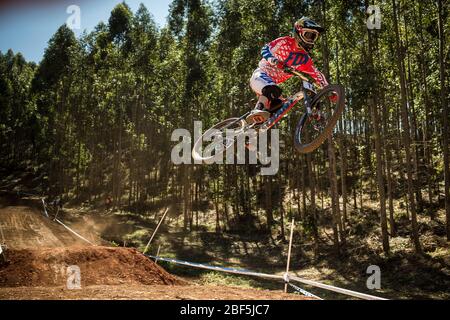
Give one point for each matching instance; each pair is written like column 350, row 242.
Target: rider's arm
column 312, row 71
column 267, row 54
column 268, row 50
column 318, row 77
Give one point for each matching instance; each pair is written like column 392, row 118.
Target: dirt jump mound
column 97, row 265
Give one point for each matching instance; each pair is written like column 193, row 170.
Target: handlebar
column 289, row 69
column 302, row 76
column 297, row 73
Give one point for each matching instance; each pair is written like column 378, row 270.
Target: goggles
column 309, row 36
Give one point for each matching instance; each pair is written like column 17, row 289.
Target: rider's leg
column 268, row 96
column 262, row 103
column 258, row 82
column 273, row 93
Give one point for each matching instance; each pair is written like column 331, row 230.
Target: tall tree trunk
column 414, row 130
column 269, row 206
column 312, row 188
column 342, row 149
column 186, row 196
column 387, row 146
column 343, row 165
column 380, row 177
column 282, row 235
column 406, row 132
column 373, row 105
column 337, row 224
column 445, row 115
column 338, row 229
column 427, row 145
column 303, row 187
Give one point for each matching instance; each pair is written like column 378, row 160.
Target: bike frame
column 307, row 93
column 288, row 104
column 291, row 102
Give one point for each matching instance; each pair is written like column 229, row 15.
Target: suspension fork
column 308, row 99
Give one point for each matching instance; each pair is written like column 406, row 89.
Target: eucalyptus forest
column 93, row 121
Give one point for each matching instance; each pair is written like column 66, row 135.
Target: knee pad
column 272, row 92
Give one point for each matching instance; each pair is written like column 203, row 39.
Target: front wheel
column 314, row 128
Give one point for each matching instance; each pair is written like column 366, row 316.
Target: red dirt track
column 47, row 267
column 23, row 225
column 40, row 252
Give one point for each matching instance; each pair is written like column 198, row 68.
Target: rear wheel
column 313, row 129
column 215, row 141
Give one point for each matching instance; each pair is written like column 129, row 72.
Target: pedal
column 257, row 117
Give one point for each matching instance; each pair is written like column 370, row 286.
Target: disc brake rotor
column 219, row 142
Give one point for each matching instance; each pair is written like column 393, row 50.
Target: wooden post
column 289, row 253
column 1, row 233
column 157, row 254
column 56, row 215
column 45, row 208
column 2, row 255
column 154, row 232
column 2, row 244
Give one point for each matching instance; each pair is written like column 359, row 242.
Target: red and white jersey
column 285, row 49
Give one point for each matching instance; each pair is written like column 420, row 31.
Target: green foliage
column 97, row 113
column 119, row 23
column 57, row 59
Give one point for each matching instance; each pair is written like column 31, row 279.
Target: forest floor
column 39, row 251
column 404, row 274
column 141, row 292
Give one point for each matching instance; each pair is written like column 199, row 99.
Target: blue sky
column 26, row 28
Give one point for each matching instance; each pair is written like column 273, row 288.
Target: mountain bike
column 322, row 111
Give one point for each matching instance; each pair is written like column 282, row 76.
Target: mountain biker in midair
column 279, row 56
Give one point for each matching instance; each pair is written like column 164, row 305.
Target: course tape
column 78, row 235
column 270, row 276
column 69, row 229
column 303, row 291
